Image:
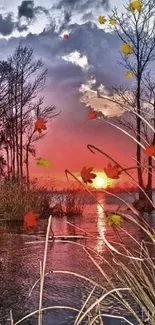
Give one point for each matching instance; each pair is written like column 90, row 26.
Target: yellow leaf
column 126, row 49
column 114, row 219
column 102, row 19
column 43, row 162
column 112, row 21
column 129, row 74
column 153, row 236
column 135, row 5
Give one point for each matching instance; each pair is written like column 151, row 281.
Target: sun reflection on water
column 101, row 228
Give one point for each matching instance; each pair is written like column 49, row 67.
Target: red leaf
column 40, row 125
column 150, row 150
column 66, row 36
column 112, row 172
column 30, row 220
column 86, row 174
column 92, row 115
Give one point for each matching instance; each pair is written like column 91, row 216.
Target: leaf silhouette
column 30, row 220
column 112, row 172
column 114, row 219
column 135, row 5
column 92, row 115
column 86, row 174
column 102, row 19
column 43, row 162
column 149, row 151
column 126, row 49
column 40, row 125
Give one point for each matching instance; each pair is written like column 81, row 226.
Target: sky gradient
column 89, row 52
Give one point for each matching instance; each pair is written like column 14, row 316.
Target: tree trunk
column 149, row 182
column 139, row 169
column 8, row 162
column 142, row 204
column 27, row 165
column 21, row 128
column 16, row 127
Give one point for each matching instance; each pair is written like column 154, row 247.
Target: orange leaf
column 30, row 220
column 40, row 125
column 66, row 36
column 92, row 115
column 112, row 172
column 150, row 150
column 86, row 174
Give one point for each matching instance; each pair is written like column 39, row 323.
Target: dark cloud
column 26, row 10
column 101, row 49
column 6, row 24
column 88, row 16
column 82, row 5
column 65, row 21
column 29, row 11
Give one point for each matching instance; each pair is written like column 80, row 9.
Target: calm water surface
column 19, row 267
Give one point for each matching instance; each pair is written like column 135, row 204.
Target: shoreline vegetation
column 17, row 199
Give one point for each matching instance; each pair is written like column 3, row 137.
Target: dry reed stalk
column 84, row 305
column 42, row 271
column 43, row 309
column 11, row 318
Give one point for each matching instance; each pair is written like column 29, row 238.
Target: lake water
column 19, row 266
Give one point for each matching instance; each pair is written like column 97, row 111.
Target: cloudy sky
column 90, row 53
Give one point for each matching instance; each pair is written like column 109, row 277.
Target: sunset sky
column 90, row 52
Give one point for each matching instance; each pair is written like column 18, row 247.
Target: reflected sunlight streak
column 101, row 229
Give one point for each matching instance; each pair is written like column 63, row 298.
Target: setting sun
column 100, row 181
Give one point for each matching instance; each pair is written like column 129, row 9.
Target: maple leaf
column 149, row 151
column 126, row 49
column 114, row 219
column 112, row 172
column 102, row 19
column 112, row 21
column 129, row 74
column 92, row 115
column 135, row 5
column 86, row 174
column 66, row 36
column 40, row 125
column 30, row 220
column 43, row 162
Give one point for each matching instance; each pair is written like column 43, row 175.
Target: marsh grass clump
column 16, row 199
column 74, row 203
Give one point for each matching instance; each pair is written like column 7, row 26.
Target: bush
column 18, row 199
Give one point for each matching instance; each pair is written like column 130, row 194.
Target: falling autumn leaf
column 129, row 74
column 149, row 151
column 66, row 36
column 86, row 174
column 30, row 220
column 43, row 162
column 135, row 5
column 126, row 49
column 112, row 172
column 102, row 19
column 40, row 125
column 114, row 219
column 92, row 115
column 112, row 21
